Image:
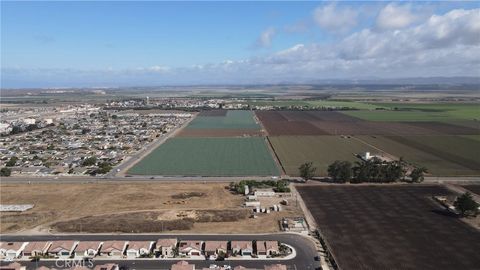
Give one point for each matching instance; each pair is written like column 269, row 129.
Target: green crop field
column 209, row 157
column 321, row 150
column 441, row 155
column 441, row 112
column 232, row 120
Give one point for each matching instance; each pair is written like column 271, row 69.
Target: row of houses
column 165, row 248
column 182, row 265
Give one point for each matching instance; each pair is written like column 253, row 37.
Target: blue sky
column 54, row 44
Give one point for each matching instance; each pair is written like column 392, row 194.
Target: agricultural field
column 376, row 227
column 292, row 151
column 443, row 112
column 182, row 156
column 315, row 103
column 132, row 207
column 230, row 120
column 449, row 148
column 278, row 123
column 441, row 155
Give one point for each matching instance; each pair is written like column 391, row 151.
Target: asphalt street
column 304, row 247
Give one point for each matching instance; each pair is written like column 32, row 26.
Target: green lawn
column 209, row 157
column 420, row 112
column 232, row 120
column 321, row 150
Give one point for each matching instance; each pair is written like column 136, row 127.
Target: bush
column 5, row 171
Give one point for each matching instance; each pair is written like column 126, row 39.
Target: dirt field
column 442, row 155
column 321, row 150
column 132, row 207
column 394, row 227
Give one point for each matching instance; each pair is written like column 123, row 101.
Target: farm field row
column 441, row 112
column 372, row 227
column 224, row 120
column 441, row 155
column 209, row 157
column 321, row 150
column 444, row 148
column 215, row 143
column 278, row 123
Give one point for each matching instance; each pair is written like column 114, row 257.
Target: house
column 267, row 248
column 190, row 248
column 165, row 247
column 139, row 248
column 13, row 266
column 33, row 249
column 264, row 192
column 275, row 267
column 215, row 248
column 87, row 249
column 243, row 248
column 63, row 248
column 183, row 265
column 108, row 266
column 113, row 248
column 11, row 250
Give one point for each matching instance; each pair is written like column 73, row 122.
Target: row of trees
column 373, row 170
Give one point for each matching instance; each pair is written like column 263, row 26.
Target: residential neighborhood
column 165, row 248
column 79, row 139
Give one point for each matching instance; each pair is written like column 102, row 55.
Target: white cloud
column 335, row 19
column 265, row 38
column 441, row 45
column 395, row 16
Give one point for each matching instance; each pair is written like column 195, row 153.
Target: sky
column 110, row 44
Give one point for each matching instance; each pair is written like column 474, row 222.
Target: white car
column 8, row 260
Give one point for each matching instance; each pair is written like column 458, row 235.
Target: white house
column 87, row 249
column 38, row 248
column 244, row 248
column 113, row 248
column 166, row 246
column 264, row 192
column 139, row 248
column 62, row 249
column 190, row 248
column 12, row 250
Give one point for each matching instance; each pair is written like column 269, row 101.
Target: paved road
column 303, row 261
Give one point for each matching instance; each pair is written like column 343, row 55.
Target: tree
column 466, row 205
column 5, row 171
column 307, row 171
column 12, row 161
column 90, row 161
column 417, row 174
column 340, row 171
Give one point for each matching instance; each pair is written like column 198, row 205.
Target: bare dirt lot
column 391, row 227
column 132, row 207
